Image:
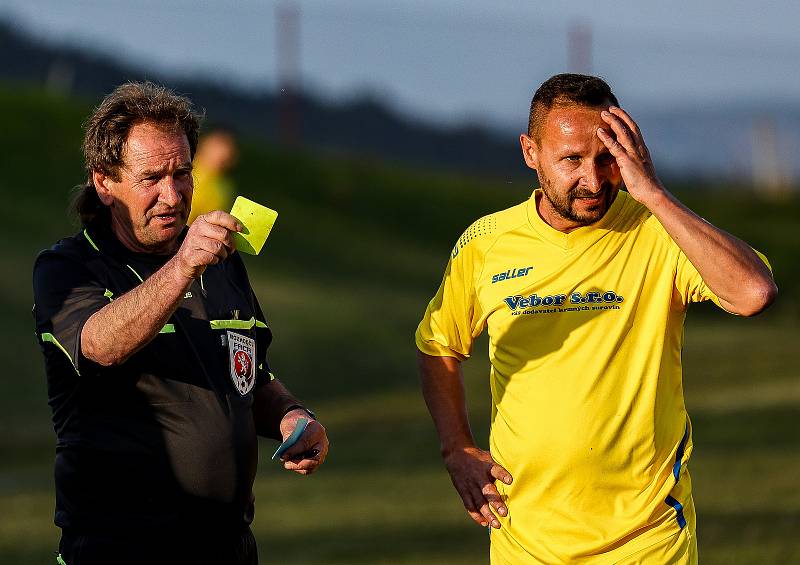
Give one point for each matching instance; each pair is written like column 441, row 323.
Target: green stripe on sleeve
column 236, row 324
column 168, row 329
column 50, row 338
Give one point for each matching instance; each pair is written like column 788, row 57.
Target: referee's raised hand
column 208, row 242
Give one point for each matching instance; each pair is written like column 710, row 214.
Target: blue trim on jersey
column 676, row 469
column 678, row 510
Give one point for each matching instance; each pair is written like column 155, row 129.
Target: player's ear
column 103, row 185
column 530, row 151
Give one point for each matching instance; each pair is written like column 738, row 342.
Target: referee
column 155, row 353
column 583, row 290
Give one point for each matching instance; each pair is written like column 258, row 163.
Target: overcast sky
column 451, row 59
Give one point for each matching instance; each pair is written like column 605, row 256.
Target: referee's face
column 151, row 200
column 578, row 175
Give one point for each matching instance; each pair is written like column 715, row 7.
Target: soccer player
column 583, row 289
column 213, row 189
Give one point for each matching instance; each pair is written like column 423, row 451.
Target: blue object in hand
column 302, row 423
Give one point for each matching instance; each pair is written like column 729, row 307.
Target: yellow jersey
column 585, row 336
column 212, row 191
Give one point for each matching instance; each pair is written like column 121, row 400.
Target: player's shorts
column 677, row 549
column 680, row 549
column 206, row 549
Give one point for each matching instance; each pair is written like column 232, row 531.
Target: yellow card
column 257, row 221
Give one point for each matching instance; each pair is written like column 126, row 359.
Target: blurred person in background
column 584, row 289
column 155, row 353
column 213, row 189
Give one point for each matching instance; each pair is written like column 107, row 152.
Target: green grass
column 355, row 256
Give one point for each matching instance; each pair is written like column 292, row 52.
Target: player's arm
column 472, row 470
column 728, row 266
column 118, row 330
column 274, row 417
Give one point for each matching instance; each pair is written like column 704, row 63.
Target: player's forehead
column 151, row 145
column 571, row 125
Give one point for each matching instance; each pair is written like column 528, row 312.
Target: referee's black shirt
column 164, row 441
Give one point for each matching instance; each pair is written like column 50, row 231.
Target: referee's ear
column 103, row 184
column 530, row 151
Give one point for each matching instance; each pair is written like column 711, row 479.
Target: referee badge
column 242, row 354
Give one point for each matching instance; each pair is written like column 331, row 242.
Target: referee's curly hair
column 106, row 132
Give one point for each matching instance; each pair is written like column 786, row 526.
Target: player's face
column 578, row 175
column 152, row 199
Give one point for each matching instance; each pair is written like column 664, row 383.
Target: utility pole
column 60, row 77
column 287, row 50
column 769, row 177
column 579, row 47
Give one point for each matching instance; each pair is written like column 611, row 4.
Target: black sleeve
column 263, row 339
column 65, row 295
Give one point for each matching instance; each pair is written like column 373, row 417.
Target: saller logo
column 511, row 274
column 242, row 354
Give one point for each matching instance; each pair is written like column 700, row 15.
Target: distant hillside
column 723, row 142
column 726, row 140
column 363, row 127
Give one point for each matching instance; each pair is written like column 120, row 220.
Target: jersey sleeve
column 690, row 285
column 263, row 340
column 65, row 296
column 453, row 318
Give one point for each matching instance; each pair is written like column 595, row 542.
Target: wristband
column 301, row 407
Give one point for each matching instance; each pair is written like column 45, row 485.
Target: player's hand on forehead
column 624, row 141
column 623, row 129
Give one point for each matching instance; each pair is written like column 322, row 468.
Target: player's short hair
column 567, row 89
column 107, row 129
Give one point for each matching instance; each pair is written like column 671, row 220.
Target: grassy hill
column 357, row 252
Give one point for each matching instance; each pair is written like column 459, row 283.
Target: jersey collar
column 580, row 237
